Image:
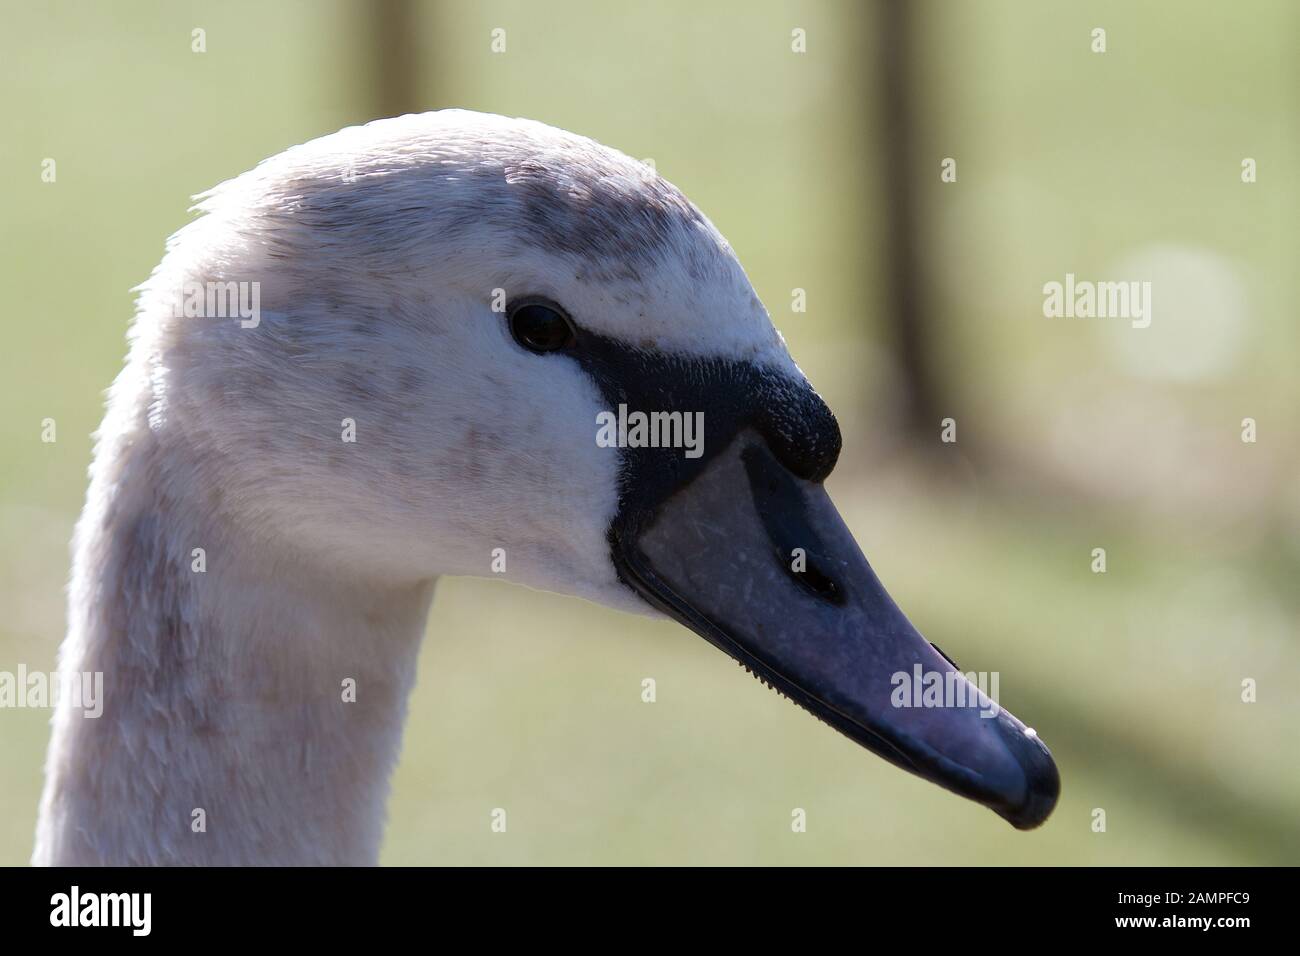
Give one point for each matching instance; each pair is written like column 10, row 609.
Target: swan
column 425, row 320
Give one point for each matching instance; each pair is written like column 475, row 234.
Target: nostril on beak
column 808, row 574
column 781, row 504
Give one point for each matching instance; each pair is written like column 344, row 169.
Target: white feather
column 376, row 250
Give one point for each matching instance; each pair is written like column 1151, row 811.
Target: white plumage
column 377, row 251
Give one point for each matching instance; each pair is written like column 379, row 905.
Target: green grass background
column 1072, row 435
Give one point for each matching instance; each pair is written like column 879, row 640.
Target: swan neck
column 252, row 703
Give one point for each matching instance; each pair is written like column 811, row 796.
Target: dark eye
column 539, row 327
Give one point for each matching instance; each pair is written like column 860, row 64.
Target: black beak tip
column 1042, row 780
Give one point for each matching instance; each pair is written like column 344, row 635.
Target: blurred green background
column 1072, row 434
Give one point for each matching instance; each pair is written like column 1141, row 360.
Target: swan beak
column 759, row 563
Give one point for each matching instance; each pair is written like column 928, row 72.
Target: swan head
column 471, row 344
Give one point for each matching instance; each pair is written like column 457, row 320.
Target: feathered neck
column 254, row 702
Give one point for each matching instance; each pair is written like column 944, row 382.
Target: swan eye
column 540, row 328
